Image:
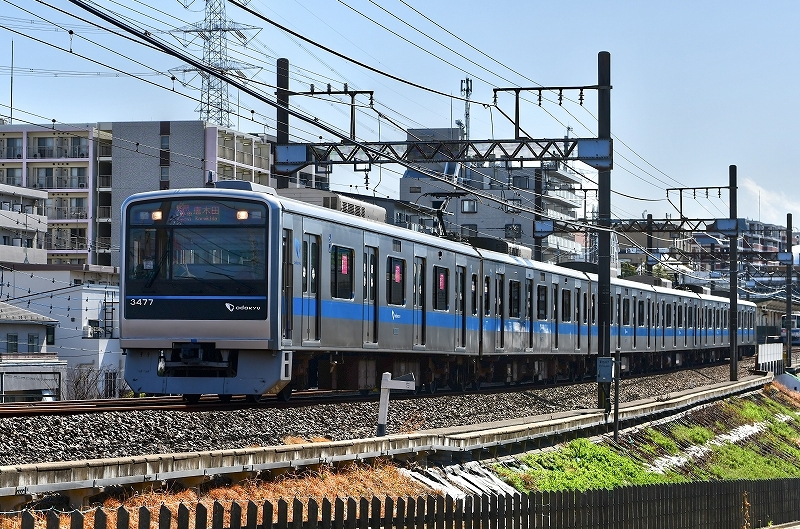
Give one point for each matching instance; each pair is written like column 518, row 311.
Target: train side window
column 585, row 307
column 513, row 299
column 395, row 281
column 487, row 303
column 680, row 316
column 566, row 305
column 474, row 294
column 305, row 262
column 594, row 310
column 342, row 272
column 441, row 288
column 689, row 318
column 626, row 311
column 640, row 313
column 541, row 302
column 669, row 315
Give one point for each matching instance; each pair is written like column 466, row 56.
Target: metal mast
column 214, row 105
column 466, row 91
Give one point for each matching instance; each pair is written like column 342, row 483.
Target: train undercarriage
column 353, row 371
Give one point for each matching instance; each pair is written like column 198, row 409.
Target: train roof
column 241, row 189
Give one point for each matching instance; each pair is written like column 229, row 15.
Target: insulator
column 580, row 97
column 560, row 96
column 540, row 98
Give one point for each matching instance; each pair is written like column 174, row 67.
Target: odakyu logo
column 231, row 307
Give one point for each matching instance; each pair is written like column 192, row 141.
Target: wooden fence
column 724, row 505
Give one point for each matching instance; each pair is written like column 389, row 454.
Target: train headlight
column 155, row 215
column 242, row 215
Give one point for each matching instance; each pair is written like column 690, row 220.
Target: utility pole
column 788, row 323
column 733, row 242
column 604, row 221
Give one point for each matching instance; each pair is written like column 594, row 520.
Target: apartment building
column 86, row 171
column 511, row 184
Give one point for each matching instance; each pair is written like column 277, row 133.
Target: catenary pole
column 604, row 221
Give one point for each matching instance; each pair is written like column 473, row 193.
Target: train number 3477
column 142, row 301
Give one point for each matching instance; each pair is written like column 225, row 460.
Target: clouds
column 766, row 205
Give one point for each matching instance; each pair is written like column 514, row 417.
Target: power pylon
column 214, row 104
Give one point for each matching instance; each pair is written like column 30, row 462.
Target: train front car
column 196, row 282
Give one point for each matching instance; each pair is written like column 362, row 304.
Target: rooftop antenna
column 466, row 91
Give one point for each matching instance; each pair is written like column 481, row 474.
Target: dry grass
column 356, row 480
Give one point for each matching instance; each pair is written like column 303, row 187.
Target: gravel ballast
column 119, row 434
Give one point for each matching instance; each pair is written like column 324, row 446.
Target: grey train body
column 345, row 299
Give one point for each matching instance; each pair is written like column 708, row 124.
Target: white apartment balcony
column 66, row 243
column 67, row 213
column 58, row 182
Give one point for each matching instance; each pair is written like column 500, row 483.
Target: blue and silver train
column 236, row 290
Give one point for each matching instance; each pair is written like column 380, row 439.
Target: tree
column 627, row 270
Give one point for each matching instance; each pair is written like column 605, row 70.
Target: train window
column 474, row 294
column 689, row 319
column 626, row 311
column 585, row 307
column 310, row 264
column 441, row 288
column 669, row 314
column 594, row 311
column 487, row 303
column 541, row 302
column 640, row 313
column 514, row 309
column 342, row 272
column 566, row 305
column 611, row 313
column 304, row 268
column 529, row 298
column 395, row 281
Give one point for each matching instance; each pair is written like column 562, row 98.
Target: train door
column 461, row 307
column 556, row 318
column 618, row 318
column 418, row 297
column 529, row 314
column 311, row 310
column 648, row 323
column 370, row 299
column 541, row 330
column 287, row 290
column 578, row 326
column 586, row 318
column 499, row 310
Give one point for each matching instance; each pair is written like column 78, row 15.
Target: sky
column 697, row 85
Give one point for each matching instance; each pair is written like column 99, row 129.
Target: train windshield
column 205, row 247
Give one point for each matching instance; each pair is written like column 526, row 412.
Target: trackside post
column 404, row 382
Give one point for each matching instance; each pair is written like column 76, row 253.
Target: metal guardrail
column 468, row 442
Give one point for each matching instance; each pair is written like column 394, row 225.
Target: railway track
column 210, row 403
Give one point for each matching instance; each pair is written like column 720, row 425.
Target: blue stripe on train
column 349, row 310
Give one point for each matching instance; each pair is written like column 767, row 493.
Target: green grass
column 581, row 465
column 691, row 435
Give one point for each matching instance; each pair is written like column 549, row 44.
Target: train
column 235, row 290
column 794, row 326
